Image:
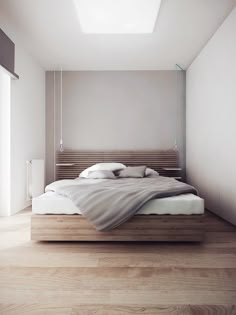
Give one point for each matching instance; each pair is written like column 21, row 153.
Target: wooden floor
column 115, row 278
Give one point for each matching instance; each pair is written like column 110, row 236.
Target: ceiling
column 51, row 31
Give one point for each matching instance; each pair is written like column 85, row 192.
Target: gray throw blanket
column 109, row 203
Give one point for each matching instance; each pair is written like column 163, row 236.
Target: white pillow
column 102, row 167
column 101, row 174
column 149, row 172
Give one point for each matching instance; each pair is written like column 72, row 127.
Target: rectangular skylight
column 117, row 16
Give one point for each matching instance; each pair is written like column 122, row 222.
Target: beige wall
column 211, row 121
column 120, row 110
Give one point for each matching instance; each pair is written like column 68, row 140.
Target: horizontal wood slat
column 138, row 228
column 156, row 160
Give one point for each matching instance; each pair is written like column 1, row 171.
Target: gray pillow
column 101, row 174
column 149, row 172
column 132, row 171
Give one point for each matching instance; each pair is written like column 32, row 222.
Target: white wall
column 117, row 110
column 5, row 145
column 27, row 115
column 211, row 121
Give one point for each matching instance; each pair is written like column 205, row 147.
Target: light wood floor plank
column 155, row 310
column 42, row 309
column 35, row 309
column 162, row 257
column 116, row 279
column 118, row 297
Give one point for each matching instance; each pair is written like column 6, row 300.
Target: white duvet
column 52, row 203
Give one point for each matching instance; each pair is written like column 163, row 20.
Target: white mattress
column 52, row 203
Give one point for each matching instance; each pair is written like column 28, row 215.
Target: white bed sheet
column 188, row 204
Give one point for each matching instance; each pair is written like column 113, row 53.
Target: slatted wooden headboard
column 79, row 160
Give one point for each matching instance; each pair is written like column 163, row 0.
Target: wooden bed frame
column 138, row 228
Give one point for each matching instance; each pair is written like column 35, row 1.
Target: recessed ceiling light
column 117, row 16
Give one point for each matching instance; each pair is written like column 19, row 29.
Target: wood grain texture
column 117, row 278
column 38, row 309
column 138, row 228
column 83, row 159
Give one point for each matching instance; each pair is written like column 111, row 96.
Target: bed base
column 164, row 228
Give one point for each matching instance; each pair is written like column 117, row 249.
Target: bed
column 177, row 218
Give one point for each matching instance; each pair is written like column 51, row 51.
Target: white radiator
column 35, row 178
